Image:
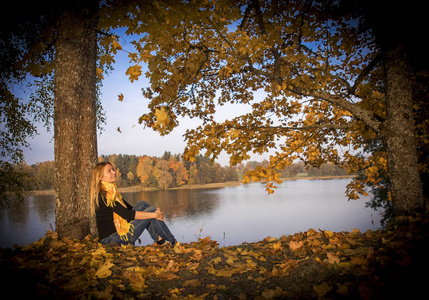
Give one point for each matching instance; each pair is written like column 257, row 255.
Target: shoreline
column 200, row 186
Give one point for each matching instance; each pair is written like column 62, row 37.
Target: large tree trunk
column 398, row 133
column 75, row 116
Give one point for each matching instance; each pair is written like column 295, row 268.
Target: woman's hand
column 159, row 215
column 144, row 215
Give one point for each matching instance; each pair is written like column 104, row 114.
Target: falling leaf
column 134, row 72
column 121, row 97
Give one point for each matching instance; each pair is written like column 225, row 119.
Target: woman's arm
column 144, row 215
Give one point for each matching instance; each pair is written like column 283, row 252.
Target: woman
column 117, row 221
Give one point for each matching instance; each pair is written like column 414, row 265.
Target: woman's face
column 109, row 174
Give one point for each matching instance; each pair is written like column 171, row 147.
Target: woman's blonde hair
column 97, row 174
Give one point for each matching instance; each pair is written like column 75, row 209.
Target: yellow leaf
column 167, row 275
column 161, row 116
column 115, row 45
column 230, row 261
column 322, row 289
column 172, row 266
column 332, row 259
column 117, row 283
column 99, row 73
column 106, row 294
column 271, row 294
column 328, row 233
column 200, row 297
column 343, row 289
column 99, row 251
column 121, row 97
column 294, row 245
column 358, row 260
column 192, row 283
column 103, row 271
column 216, row 260
column 277, row 246
column 355, row 232
column 136, row 280
column 224, row 272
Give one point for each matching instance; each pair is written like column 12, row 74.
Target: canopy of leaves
column 302, row 73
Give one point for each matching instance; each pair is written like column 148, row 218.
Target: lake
column 229, row 215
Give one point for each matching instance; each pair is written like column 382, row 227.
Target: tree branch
column 367, row 117
column 365, row 73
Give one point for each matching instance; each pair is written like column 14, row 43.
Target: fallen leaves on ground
column 313, row 264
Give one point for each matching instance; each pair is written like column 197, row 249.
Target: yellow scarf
column 124, row 228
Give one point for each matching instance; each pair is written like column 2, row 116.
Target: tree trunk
column 398, row 133
column 75, row 116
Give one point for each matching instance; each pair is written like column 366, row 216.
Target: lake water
column 229, row 215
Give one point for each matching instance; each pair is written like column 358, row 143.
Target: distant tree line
column 297, row 170
column 170, row 171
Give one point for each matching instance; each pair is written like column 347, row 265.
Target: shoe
column 160, row 242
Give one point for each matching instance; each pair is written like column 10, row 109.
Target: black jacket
column 104, row 216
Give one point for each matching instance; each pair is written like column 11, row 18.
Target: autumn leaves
column 315, row 263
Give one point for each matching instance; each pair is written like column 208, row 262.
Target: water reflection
column 230, row 215
column 178, row 203
column 27, row 223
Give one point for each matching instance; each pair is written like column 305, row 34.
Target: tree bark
column 398, row 134
column 75, row 116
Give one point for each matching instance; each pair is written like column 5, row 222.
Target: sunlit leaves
column 195, row 57
column 296, row 69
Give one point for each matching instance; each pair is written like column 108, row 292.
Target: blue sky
column 133, row 139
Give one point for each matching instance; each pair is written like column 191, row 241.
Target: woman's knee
column 141, row 205
column 150, row 209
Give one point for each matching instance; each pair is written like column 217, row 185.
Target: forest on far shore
column 170, row 170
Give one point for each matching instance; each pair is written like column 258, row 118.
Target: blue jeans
column 156, row 228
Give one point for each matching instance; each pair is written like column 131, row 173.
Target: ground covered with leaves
column 312, row 264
